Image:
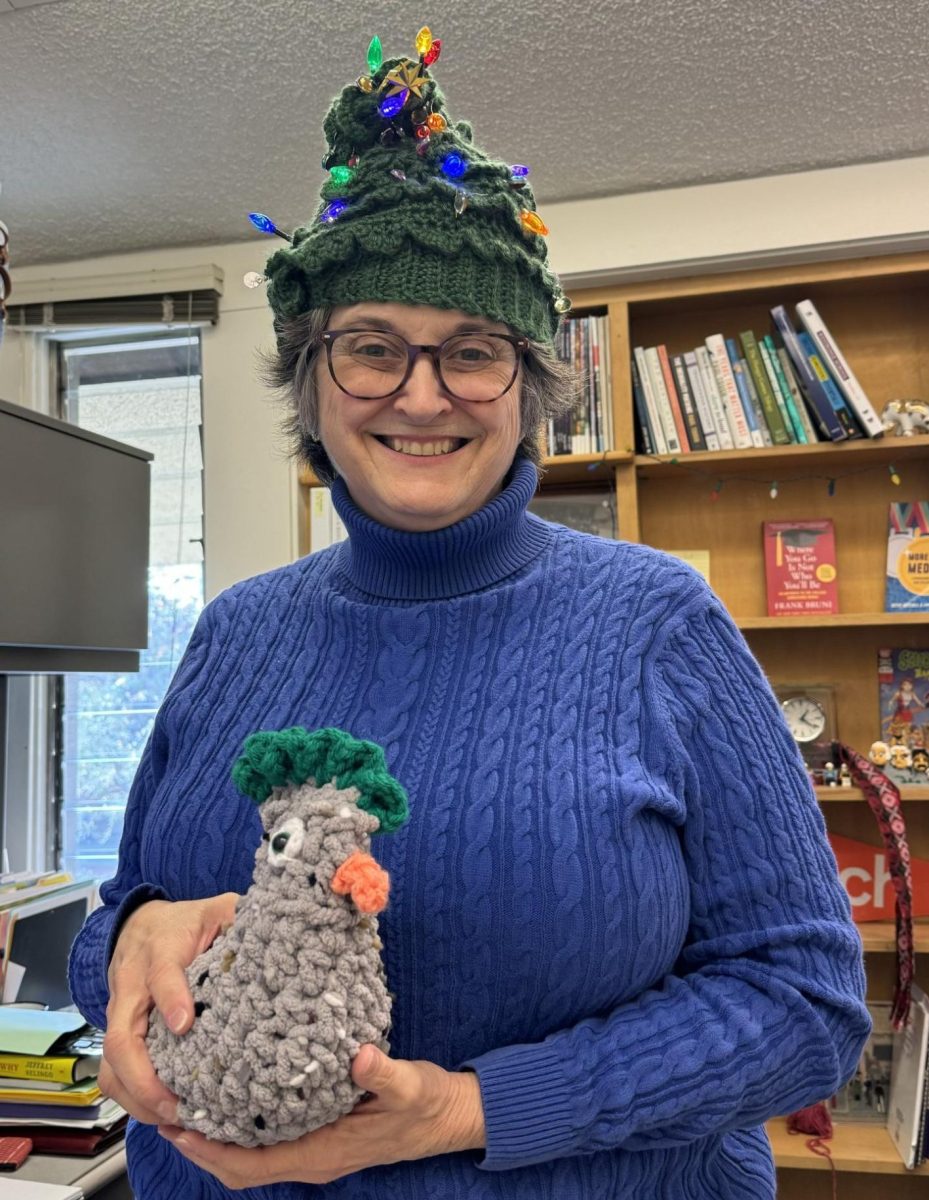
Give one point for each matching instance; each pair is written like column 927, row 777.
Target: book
column 677, row 409
column 76, row 1095
column 698, row 559
column 751, row 418
column 800, row 567
column 755, row 400
column 766, row 394
column 793, row 388
column 792, row 409
column 909, row 1092
column 661, row 400
column 641, row 411
column 809, row 382
column 704, row 412
column 717, row 402
column 903, row 696
column 61, row 1139
column 657, row 428
column 71, row 1058
column 836, row 399
column 726, row 386
column 844, row 376
column 691, row 416
column 907, row 572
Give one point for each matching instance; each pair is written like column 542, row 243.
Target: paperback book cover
column 903, row 685
column 908, row 558
column 800, row 567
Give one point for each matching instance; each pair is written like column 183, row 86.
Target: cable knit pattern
column 614, row 900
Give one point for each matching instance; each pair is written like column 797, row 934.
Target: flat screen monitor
column 74, row 536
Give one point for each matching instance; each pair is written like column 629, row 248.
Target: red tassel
column 816, row 1120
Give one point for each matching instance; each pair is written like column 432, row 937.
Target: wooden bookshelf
column 878, row 310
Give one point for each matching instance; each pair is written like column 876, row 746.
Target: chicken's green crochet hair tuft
column 412, row 211
column 288, row 757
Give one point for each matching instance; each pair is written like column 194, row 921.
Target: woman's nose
column 423, row 396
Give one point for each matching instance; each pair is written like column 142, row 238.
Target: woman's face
column 372, row 443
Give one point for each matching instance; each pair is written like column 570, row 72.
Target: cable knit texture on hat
column 409, row 232
column 288, row 994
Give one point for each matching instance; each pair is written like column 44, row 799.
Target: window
column 144, row 391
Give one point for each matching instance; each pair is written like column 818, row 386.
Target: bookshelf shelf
column 833, row 621
column 583, row 468
column 854, row 1147
column 908, row 795
column 879, row 937
column 822, row 454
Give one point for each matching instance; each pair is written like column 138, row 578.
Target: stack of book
column 588, row 428
column 49, row 1063
column 786, row 387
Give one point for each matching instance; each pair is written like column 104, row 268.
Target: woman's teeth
column 423, row 449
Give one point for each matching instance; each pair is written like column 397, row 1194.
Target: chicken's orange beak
column 365, row 880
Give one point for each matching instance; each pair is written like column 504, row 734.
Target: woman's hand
column 154, row 946
column 417, row 1110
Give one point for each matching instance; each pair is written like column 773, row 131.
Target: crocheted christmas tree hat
column 413, row 212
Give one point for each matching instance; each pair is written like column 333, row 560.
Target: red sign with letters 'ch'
column 864, row 875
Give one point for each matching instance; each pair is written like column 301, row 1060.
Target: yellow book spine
column 23, row 1066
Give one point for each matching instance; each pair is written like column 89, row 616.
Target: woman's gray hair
column 550, row 387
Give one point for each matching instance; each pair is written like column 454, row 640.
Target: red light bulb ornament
column 432, row 53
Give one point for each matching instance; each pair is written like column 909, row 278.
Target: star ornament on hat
column 413, row 212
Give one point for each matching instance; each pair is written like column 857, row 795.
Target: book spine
column 844, row 376
column 719, row 357
column 773, row 363
column 677, row 411
column 836, row 399
column 641, row 409
column 756, row 404
column 661, row 445
column 718, row 404
column 691, row 417
column 606, row 383
column 774, row 419
column 735, row 364
column 705, row 415
column 48, row 1070
column 791, row 380
column 598, row 445
column 806, row 377
column 662, row 403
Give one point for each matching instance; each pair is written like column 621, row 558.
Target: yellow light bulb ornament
column 533, row 222
column 424, row 41
column 894, row 477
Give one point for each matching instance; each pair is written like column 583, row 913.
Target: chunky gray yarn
column 285, row 996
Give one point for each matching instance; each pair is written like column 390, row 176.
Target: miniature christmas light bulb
column 533, row 222
column 424, row 41
column 454, row 166
column 393, row 104
column 375, row 54
column 433, row 53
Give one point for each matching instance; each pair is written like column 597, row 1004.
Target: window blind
column 199, row 307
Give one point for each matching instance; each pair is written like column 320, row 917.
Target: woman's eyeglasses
column 370, row 364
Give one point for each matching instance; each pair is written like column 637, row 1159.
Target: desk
column 102, row 1177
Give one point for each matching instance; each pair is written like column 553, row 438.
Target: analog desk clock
column 809, row 710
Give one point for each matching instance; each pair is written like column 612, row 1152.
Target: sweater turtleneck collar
column 483, row 549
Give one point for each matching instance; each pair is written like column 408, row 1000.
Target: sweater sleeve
column 92, row 949
column 764, row 1012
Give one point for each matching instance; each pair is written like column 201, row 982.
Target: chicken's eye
column 286, row 842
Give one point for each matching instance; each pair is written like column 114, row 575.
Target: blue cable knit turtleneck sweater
column 614, row 899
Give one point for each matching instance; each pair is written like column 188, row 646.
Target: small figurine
column 879, row 754
column 900, row 757
column 830, row 775
column 921, row 760
column 845, row 775
column 905, row 418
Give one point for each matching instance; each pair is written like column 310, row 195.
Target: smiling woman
column 616, row 940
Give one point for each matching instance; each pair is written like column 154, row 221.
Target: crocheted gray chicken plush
column 289, row 992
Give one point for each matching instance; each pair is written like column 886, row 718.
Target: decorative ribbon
column 884, row 800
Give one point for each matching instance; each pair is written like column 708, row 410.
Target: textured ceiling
column 127, row 125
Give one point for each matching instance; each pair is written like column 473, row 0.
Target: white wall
column 251, row 490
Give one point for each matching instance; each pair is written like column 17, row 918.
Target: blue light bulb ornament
column 518, row 171
column 333, row 211
column 266, row 225
column 390, row 107
column 454, row 166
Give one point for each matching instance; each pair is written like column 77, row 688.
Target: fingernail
column 176, row 1020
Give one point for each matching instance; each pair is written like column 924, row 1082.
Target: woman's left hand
column 417, row 1110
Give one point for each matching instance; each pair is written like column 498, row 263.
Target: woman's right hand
column 153, row 948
